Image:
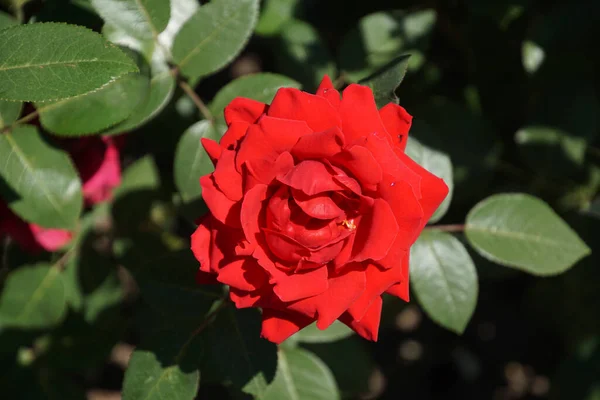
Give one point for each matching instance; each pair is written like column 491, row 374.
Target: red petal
column 375, row 233
column 50, row 239
column 359, row 113
column 251, row 207
column 433, row 190
column 97, row 186
column 312, row 177
column 378, row 281
column 269, row 138
column 212, row 148
column 400, row 290
column 293, row 104
column 227, row 178
column 397, row 122
column 329, row 92
column 243, row 298
column 368, row 326
column 301, row 285
column 236, row 131
column 201, row 243
column 361, row 163
column 221, row 207
column 319, row 144
column 319, row 206
column 243, row 109
column 265, row 171
column 406, row 208
column 279, row 325
column 244, row 274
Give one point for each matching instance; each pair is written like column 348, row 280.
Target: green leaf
column 521, row 231
column 214, row 36
column 9, row 112
column 60, row 61
column 6, row 20
column 141, row 175
column 156, row 372
column 438, row 164
column 261, row 87
column 274, row 14
column 311, row 334
column 162, row 85
column 142, row 19
column 302, row 376
column 382, row 37
column 444, row 279
column 181, row 11
column 43, row 185
column 95, row 111
column 385, row 81
column 303, row 55
column 33, row 298
column 191, row 161
column 236, row 352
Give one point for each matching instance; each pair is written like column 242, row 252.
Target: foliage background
column 508, row 89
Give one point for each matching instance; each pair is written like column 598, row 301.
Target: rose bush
column 98, row 163
column 313, row 208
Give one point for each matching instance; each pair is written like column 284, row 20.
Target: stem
column 196, row 99
column 448, row 228
column 20, row 121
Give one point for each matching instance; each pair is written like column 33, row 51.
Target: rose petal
column 329, row 92
column 378, row 281
column 262, row 171
column 375, row 233
column 359, row 113
column 212, row 148
column 244, row 274
column 98, row 186
column 293, row 104
column 222, row 208
column 243, row 298
column 227, row 178
column 300, row 285
column 312, row 177
column 406, row 208
column 361, row 164
column 250, row 213
column 319, row 206
column 319, row 144
column 279, row 325
column 201, row 243
column 269, row 138
column 397, row 122
column 284, row 247
column 224, row 242
column 433, row 190
column 50, row 239
column 245, row 110
column 368, row 326
column 400, row 290
column 236, row 131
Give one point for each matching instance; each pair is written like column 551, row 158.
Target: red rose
column 313, row 208
column 97, row 161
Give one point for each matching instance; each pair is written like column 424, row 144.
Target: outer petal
column 327, row 91
column 98, row 185
column 262, row 171
column 400, row 290
column 245, row 110
column 433, row 189
column 244, row 274
column 212, row 148
column 293, row 104
column 50, row 239
column 227, row 178
column 279, row 325
column 222, row 208
column 397, row 122
column 359, row 113
column 361, row 163
column 297, row 286
column 319, row 144
column 368, row 326
column 269, row 138
column 251, row 208
column 236, row 131
column 375, row 233
column 201, row 243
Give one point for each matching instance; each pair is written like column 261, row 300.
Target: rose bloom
column 98, row 163
column 313, row 208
